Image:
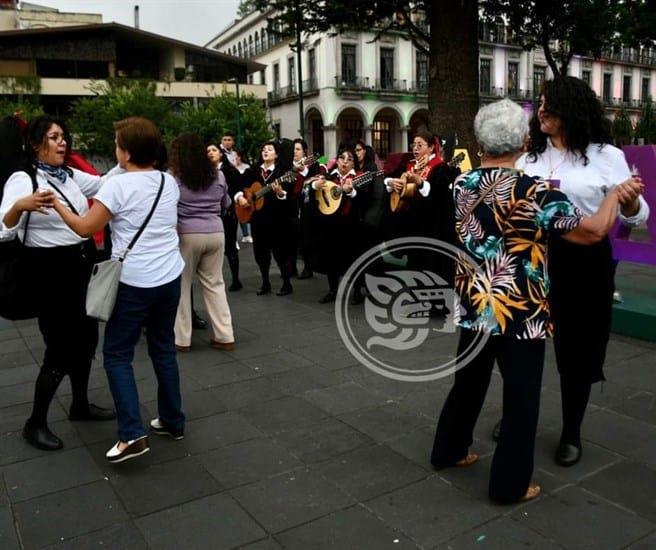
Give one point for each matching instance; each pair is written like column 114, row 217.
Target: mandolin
column 330, row 196
column 400, row 201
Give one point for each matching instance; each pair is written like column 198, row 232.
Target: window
column 239, row 49
column 484, row 76
column 382, row 136
column 386, row 68
column 513, row 79
column 626, row 88
column 250, row 46
column 539, row 75
column 422, row 71
column 250, row 79
column 291, row 74
column 351, row 130
column 262, row 77
column 646, row 84
column 312, row 67
column 276, row 77
column 348, row 64
column 257, row 43
column 586, row 76
column 606, row 92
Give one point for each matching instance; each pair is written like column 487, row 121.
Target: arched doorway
column 386, row 132
column 419, row 121
column 314, row 131
column 350, row 127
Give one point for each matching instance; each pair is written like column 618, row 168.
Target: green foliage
column 27, row 109
column 219, row 114
column 646, row 127
column 245, row 7
column 621, row 128
column 637, row 22
column 92, row 118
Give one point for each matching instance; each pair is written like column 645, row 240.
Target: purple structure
column 644, row 158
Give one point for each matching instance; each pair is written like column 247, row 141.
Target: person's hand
column 319, row 183
column 347, row 187
column 398, row 185
column 241, row 201
column 411, row 177
column 277, row 189
column 421, row 164
column 628, row 194
column 37, row 202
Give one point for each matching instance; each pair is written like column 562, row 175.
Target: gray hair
column 501, row 127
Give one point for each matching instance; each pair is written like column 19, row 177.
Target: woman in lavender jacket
column 203, row 198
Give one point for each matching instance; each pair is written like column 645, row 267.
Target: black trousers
column 520, row 363
column 230, row 227
column 581, row 301
column 271, row 237
column 61, row 279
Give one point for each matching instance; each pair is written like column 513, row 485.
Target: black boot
column 42, row 438
column 285, row 289
column 233, row 262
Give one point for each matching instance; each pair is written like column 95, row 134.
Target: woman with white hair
column 503, row 220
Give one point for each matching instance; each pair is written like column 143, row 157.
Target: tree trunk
column 453, row 84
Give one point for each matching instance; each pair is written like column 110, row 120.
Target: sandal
column 532, row 492
column 471, row 458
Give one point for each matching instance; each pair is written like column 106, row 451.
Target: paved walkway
column 291, row 444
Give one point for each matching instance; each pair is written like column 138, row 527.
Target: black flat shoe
column 568, row 454
column 285, row 290
column 93, row 412
column 496, row 431
column 236, row 285
column 328, row 298
column 197, row 321
column 306, row 274
column 264, row 289
column 42, row 438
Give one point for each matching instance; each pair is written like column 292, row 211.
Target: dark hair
column 348, row 149
column 369, row 160
column 189, row 163
column 303, row 144
column 227, row 134
column 36, row 137
column 12, row 155
column 581, row 116
column 162, row 163
column 427, row 136
column 140, row 138
column 274, row 144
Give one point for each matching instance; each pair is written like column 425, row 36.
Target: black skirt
column 581, row 300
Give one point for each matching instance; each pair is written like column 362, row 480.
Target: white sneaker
column 249, row 239
column 617, row 297
column 244, row 239
column 135, row 448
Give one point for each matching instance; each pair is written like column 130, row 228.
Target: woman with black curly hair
column 570, row 145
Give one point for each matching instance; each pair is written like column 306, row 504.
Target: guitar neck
column 359, row 181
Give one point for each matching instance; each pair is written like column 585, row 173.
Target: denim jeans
column 155, row 309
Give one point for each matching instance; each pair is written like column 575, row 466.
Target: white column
column 330, row 140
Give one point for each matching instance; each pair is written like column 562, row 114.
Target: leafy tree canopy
column 27, row 109
column 646, row 127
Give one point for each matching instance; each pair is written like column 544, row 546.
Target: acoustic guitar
column 330, row 196
column 400, row 200
column 255, row 192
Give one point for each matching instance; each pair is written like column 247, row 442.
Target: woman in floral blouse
column 503, row 220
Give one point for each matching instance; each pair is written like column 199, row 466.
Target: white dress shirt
column 585, row 185
column 49, row 230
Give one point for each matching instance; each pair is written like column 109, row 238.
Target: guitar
column 330, row 196
column 255, row 192
column 400, row 200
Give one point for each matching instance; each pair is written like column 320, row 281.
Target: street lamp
column 235, row 81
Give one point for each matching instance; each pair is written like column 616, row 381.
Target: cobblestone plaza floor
column 291, row 444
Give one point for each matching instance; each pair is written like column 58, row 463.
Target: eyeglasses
column 57, row 138
column 346, row 158
column 419, row 145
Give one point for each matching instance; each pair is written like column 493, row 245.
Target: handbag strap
column 35, row 186
column 145, row 223
column 70, row 204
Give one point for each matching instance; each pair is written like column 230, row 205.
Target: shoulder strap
column 145, row 223
column 70, row 204
column 35, row 186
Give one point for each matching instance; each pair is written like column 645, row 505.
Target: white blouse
column 49, row 230
column 585, row 185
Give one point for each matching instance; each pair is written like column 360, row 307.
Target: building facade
column 355, row 87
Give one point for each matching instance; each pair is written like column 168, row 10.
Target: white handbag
column 105, row 276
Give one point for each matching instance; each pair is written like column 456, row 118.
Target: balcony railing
column 639, row 57
column 626, row 103
column 352, row 82
column 287, row 92
column 512, row 93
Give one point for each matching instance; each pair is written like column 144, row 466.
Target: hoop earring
column 480, row 154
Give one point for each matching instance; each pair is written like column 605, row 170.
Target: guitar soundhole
column 336, row 192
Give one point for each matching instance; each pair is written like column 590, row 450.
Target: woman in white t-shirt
column 570, row 146
column 149, row 289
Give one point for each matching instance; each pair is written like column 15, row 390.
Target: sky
column 194, row 21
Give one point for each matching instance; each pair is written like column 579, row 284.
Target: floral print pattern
column 507, row 236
